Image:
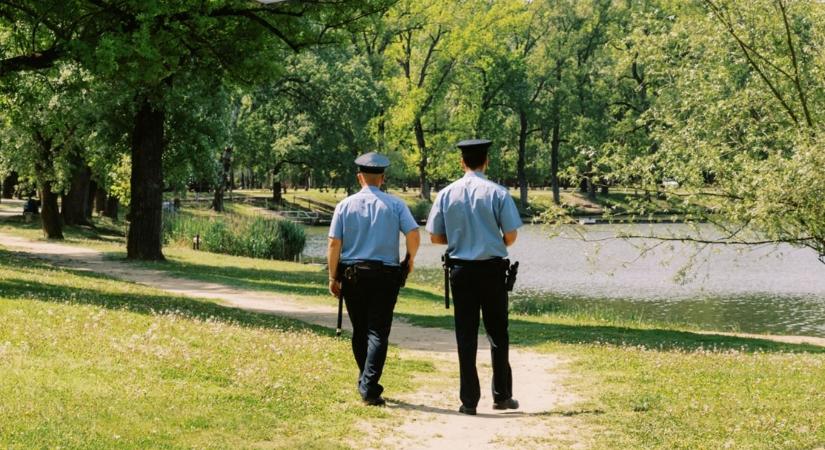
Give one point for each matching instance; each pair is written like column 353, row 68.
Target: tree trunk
column 90, row 201
column 9, row 185
column 145, row 240
column 112, row 207
column 49, row 212
column 277, row 197
column 223, row 179
column 522, row 155
column 555, row 143
column 100, row 200
column 217, row 200
column 76, row 201
column 589, row 183
column 422, row 162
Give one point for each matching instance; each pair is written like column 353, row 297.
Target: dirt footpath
column 429, row 415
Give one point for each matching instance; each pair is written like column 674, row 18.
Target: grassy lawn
column 88, row 362
column 647, row 384
column 105, row 235
column 644, row 384
column 5, row 205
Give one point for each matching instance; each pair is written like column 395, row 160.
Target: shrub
column 421, row 209
column 256, row 237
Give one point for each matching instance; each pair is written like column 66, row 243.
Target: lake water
column 765, row 289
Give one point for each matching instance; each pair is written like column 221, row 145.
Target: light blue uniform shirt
column 473, row 212
column 368, row 224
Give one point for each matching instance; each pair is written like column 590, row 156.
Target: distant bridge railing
column 304, row 217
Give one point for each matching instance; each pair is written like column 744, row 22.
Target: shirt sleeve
column 435, row 222
column 406, row 220
column 508, row 214
column 336, row 226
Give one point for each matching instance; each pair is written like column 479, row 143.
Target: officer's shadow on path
column 393, row 403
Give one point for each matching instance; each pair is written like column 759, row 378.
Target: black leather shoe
column 510, row 403
column 467, row 410
column 377, row 401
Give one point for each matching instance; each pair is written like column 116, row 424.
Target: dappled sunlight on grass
column 90, row 361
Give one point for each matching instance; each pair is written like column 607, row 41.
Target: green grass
column 643, row 384
column 701, row 398
column 12, row 207
column 105, row 234
column 88, row 362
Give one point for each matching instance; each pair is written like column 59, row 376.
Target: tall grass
column 256, row 237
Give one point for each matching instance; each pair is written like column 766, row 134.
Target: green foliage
column 421, row 209
column 721, row 97
column 256, row 237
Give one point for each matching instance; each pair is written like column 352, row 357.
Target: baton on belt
column 445, row 258
column 340, row 311
column 405, row 270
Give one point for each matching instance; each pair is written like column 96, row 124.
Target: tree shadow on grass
column 309, row 283
column 43, row 291
column 529, row 333
column 271, row 280
column 99, row 230
column 522, row 332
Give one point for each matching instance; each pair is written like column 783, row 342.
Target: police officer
column 477, row 220
column 364, row 266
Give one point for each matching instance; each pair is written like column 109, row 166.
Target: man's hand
column 335, row 288
column 410, row 265
column 438, row 239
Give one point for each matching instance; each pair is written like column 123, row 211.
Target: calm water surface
column 766, row 289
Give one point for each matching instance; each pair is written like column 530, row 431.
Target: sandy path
column 10, row 208
column 429, row 417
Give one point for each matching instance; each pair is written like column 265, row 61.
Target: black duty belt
column 492, row 262
column 352, row 272
column 365, row 269
column 510, row 271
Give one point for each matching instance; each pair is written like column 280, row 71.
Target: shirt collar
column 476, row 174
column 373, row 189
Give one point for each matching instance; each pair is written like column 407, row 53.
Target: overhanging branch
column 34, row 61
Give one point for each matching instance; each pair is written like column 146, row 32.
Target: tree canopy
column 711, row 109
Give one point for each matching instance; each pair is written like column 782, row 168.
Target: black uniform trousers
column 480, row 286
column 370, row 301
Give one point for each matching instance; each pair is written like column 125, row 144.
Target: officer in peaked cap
column 364, row 266
column 477, row 220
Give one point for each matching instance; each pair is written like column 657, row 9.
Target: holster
column 510, row 272
column 511, row 275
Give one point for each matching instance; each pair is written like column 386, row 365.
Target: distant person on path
column 31, row 207
column 477, row 220
column 364, row 266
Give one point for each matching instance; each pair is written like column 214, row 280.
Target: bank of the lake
column 775, row 289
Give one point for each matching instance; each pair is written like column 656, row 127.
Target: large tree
column 425, row 59
column 738, row 120
column 149, row 48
